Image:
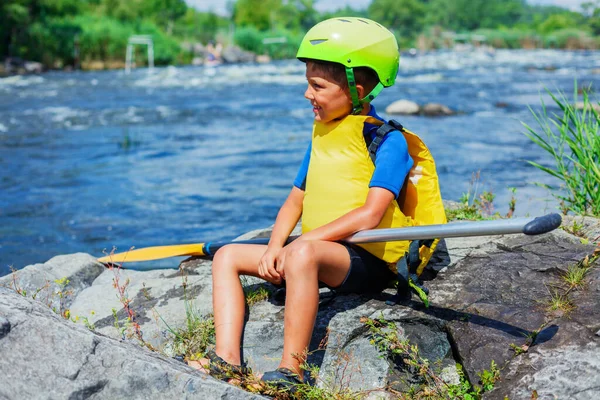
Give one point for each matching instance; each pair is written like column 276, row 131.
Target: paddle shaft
column 528, row 226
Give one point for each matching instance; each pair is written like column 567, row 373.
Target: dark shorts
column 367, row 273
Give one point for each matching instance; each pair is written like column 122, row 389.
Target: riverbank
column 491, row 313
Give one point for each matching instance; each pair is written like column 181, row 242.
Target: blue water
column 92, row 160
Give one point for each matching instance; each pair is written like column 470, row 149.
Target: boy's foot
column 218, row 368
column 282, row 378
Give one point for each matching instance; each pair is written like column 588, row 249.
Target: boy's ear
column 360, row 89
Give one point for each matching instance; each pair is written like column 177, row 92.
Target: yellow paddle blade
column 155, row 253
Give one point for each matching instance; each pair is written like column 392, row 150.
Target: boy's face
column 329, row 100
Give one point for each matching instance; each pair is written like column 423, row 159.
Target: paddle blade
column 155, row 253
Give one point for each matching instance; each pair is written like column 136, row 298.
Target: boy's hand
column 266, row 266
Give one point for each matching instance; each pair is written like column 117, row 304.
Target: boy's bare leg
column 309, row 263
column 229, row 305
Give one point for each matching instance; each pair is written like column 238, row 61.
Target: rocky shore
column 500, row 306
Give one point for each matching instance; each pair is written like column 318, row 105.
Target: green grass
column 385, row 336
column 571, row 139
column 479, row 206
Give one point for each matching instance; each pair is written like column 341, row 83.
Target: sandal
column 282, row 378
column 221, row 369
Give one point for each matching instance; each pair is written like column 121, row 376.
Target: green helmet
column 354, row 42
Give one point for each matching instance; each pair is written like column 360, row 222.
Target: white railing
column 143, row 40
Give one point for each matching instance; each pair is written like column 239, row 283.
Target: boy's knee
column 301, row 258
column 225, row 256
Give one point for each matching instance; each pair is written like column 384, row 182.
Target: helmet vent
column 318, row 41
column 344, row 20
column 364, row 22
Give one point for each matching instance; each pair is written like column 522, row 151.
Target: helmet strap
column 357, row 104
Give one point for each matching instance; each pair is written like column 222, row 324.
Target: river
column 96, row 160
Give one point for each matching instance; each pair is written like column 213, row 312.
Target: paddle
column 528, row 226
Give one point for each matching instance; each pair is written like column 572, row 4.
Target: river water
column 92, row 160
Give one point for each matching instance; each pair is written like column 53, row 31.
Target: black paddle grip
column 543, row 224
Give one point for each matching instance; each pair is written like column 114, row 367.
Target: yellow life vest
column 420, row 197
column 338, row 177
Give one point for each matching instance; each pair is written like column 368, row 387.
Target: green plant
column 474, row 206
column 193, row 340
column 571, row 139
column 488, row 378
column 559, row 301
column 385, row 336
column 512, row 203
column 254, row 296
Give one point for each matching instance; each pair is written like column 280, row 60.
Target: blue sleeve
column 392, row 163
column 300, row 181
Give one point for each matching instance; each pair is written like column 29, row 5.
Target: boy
column 338, row 191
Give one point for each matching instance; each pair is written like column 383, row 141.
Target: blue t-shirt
column 392, row 162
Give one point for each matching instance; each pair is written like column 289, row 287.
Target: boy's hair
column 364, row 76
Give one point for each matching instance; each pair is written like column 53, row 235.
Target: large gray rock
column 403, row 107
column 494, row 300
column 487, row 294
column 42, row 280
column 159, row 301
column 436, row 110
column 44, row 356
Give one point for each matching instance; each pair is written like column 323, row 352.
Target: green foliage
column 461, row 15
column 488, row 378
column 251, row 39
column 560, row 21
column 47, row 30
column 385, row 336
column 403, row 17
column 298, row 15
column 571, row 139
column 571, row 38
column 260, row 14
column 475, row 206
column 505, row 38
column 200, row 26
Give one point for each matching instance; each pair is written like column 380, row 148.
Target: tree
column 404, row 17
column 164, row 12
column 592, row 12
column 258, row 13
column 297, row 15
column 466, row 15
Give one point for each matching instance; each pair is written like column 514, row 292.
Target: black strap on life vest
column 373, row 145
column 407, row 265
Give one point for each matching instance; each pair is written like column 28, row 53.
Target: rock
column 33, row 67
column 158, row 300
column 570, row 372
column 499, row 294
column 42, row 281
column 403, row 107
column 584, row 228
column 436, row 110
column 263, row 59
column 487, row 295
column 234, row 54
column 580, row 105
column 45, row 356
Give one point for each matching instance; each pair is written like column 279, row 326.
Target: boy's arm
column 287, row 218
column 367, row 216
